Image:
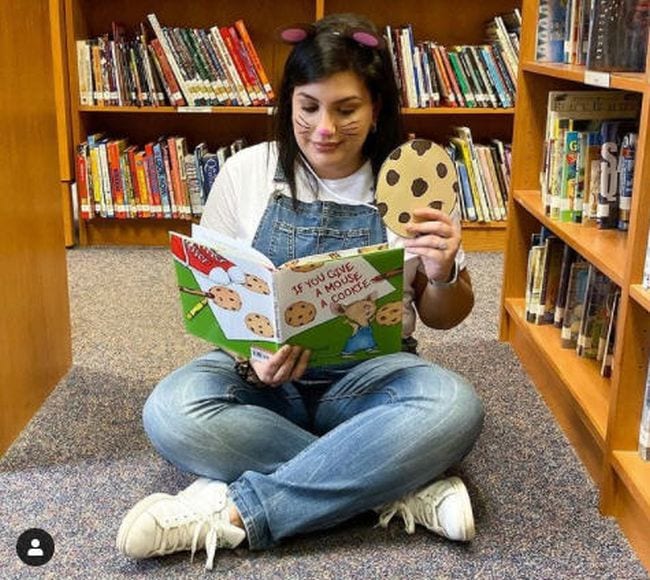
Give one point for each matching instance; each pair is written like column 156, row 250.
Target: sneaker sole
column 136, row 511
column 468, row 515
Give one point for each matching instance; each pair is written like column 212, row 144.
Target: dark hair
column 327, row 50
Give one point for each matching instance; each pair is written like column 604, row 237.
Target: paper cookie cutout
column 299, row 313
column 417, row 174
column 259, row 324
column 225, row 298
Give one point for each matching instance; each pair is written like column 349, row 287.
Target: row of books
column 161, row 180
column 432, row 75
column 158, row 65
column 601, row 34
column 565, row 290
column 483, row 176
column 589, row 156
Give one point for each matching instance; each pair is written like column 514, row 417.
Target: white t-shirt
column 242, row 189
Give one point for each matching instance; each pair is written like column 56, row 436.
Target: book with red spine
column 155, row 197
column 445, row 84
column 176, row 95
column 239, row 65
column 460, row 97
column 81, row 175
column 257, row 62
column 114, row 148
column 253, row 77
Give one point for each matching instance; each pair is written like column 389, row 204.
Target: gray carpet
column 84, row 460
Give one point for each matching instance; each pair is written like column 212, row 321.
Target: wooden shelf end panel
column 632, row 502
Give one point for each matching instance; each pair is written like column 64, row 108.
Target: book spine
column 187, row 95
column 257, row 62
column 180, row 153
column 114, row 170
column 473, row 54
column 626, row 179
column 445, row 84
column 224, row 55
column 163, row 184
column 135, row 184
column 455, row 87
column 176, row 96
column 204, row 79
column 216, row 74
column 227, row 84
column 239, row 65
column 248, row 65
column 105, row 178
column 127, row 186
column 606, row 215
column 81, row 177
column 494, row 75
column 468, row 95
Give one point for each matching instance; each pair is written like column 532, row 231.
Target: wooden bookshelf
column 80, row 19
column 35, row 342
column 599, row 415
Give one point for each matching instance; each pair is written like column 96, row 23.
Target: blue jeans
column 302, row 457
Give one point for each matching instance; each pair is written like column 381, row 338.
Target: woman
column 285, row 450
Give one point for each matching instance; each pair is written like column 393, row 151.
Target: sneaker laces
column 411, row 509
column 177, row 537
column 398, row 508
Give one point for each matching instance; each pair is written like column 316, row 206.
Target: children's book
column 343, row 306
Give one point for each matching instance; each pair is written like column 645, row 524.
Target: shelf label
column 194, row 109
column 597, row 79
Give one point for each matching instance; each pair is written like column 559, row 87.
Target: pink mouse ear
column 295, row 33
column 367, row 38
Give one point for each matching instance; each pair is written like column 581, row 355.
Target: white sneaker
column 196, row 518
column 442, row 507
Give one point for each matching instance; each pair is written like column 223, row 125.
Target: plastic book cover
column 618, row 35
column 343, row 306
column 550, row 31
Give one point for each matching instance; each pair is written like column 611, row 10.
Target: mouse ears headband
column 296, row 33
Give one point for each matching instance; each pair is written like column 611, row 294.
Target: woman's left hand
column 436, row 240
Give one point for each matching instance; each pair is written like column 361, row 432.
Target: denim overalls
column 309, row 455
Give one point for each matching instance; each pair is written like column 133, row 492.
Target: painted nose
column 326, row 126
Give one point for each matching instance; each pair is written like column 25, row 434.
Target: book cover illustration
column 343, row 306
column 618, row 35
column 550, row 31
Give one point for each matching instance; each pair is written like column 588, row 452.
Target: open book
column 343, row 306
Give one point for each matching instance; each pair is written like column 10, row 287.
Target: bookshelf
column 600, row 416
column 35, row 342
column 80, row 19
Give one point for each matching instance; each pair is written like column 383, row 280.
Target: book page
column 213, row 238
column 226, row 296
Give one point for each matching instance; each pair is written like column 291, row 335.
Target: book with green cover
column 343, row 306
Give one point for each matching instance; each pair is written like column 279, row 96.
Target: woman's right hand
column 288, row 364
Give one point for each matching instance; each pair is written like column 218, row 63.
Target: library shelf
column 641, row 296
column 606, row 249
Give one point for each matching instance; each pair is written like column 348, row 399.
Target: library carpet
column 84, row 459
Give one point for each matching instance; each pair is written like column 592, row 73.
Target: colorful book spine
column 626, row 162
column 259, row 67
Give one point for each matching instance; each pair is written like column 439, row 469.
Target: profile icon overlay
column 35, row 547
